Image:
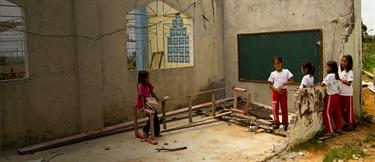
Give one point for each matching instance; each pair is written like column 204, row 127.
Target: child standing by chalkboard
column 307, row 70
column 346, row 90
column 279, row 79
column 332, row 100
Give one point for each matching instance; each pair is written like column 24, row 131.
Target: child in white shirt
column 278, row 81
column 307, row 70
column 332, row 100
column 346, row 90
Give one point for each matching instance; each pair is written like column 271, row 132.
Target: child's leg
column 284, row 107
column 156, row 123
column 275, row 107
column 344, row 110
column 135, row 117
column 350, row 119
column 327, row 115
column 351, row 110
column 146, row 128
column 337, row 112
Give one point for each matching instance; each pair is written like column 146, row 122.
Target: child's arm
column 349, row 80
column 299, row 87
column 273, row 88
column 143, row 108
column 143, row 103
column 348, row 83
column 324, row 83
column 290, row 81
column 154, row 95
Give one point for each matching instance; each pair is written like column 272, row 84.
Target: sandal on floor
column 331, row 134
column 339, row 132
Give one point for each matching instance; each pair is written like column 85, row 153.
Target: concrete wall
column 77, row 84
column 46, row 105
column 120, row 84
column 243, row 16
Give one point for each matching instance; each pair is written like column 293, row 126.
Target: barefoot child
column 307, row 70
column 144, row 93
column 346, row 90
column 332, row 100
column 278, row 81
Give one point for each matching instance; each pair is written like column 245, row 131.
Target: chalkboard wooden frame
column 280, row 32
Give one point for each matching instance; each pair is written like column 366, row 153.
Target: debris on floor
column 289, row 156
column 252, row 123
column 38, row 160
column 170, row 149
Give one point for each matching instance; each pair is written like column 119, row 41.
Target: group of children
column 339, row 99
column 338, row 102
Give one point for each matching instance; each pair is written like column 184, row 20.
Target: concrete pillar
column 1, row 115
column 357, row 34
column 141, row 39
column 89, row 54
column 354, row 47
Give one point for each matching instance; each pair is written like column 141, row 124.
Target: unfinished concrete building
column 80, row 58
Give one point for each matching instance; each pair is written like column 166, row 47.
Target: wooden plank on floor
column 103, row 131
column 368, row 73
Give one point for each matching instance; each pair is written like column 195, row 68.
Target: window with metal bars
column 158, row 37
column 12, row 41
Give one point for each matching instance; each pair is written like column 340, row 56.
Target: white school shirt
column 346, row 90
column 279, row 78
column 332, row 84
column 308, row 81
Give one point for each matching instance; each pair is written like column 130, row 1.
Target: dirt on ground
column 358, row 136
column 369, row 101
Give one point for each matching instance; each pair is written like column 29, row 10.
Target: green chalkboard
column 255, row 53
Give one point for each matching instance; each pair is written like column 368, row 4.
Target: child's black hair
column 310, row 68
column 142, row 77
column 334, row 68
column 278, row 58
column 350, row 63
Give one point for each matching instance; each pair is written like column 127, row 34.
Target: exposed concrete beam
column 18, row 2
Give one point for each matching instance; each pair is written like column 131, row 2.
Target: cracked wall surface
column 308, row 118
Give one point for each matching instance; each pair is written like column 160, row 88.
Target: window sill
column 185, row 67
column 14, row 80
